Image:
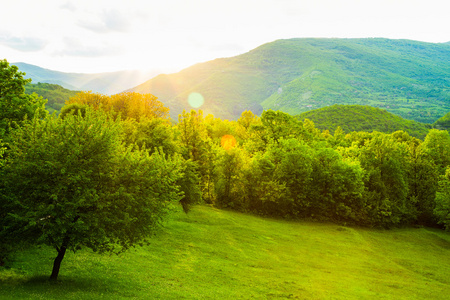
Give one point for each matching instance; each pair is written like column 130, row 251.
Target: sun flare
column 228, row 142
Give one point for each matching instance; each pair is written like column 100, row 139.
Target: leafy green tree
column 385, row 162
column 437, row 147
column 15, row 105
column 442, row 209
column 247, row 119
column 231, row 165
column 151, row 133
column 423, row 180
column 128, row 105
column 264, row 192
column 189, row 185
column 337, row 187
column 73, row 109
column 279, row 125
column 294, row 159
column 197, row 146
column 70, row 183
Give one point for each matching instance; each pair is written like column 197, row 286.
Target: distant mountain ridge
column 105, row 83
column 408, row 78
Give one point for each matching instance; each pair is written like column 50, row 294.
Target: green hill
column 216, row 254
column 407, row 78
column 362, row 118
column 54, row 93
column 443, row 123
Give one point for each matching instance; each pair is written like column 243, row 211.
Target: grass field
column 216, row 254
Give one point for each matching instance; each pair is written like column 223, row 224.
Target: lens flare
column 228, row 142
column 196, row 100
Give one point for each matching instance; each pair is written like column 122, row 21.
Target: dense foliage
column 281, row 166
column 15, row 105
column 129, row 105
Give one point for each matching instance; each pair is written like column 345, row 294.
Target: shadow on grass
column 67, row 284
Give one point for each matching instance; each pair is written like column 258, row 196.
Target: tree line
column 105, row 172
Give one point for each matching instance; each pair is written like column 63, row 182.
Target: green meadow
column 218, row 254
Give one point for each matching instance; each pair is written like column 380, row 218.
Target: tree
column 385, row 162
column 437, row 148
column 189, row 186
column 198, row 147
column 442, row 210
column 337, row 187
column 423, row 180
column 151, row 133
column 70, row 183
column 231, row 165
column 264, row 193
column 15, row 105
column 294, row 170
column 129, row 105
column 247, row 119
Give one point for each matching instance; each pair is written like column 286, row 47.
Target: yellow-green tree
column 129, row 105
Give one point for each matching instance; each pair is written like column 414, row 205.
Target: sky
column 89, row 36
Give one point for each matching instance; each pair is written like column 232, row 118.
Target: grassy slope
column 362, row 118
column 407, row 78
column 214, row 254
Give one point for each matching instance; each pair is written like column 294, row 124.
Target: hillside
column 105, row 83
column 362, row 118
column 407, row 78
column 443, row 122
column 55, row 94
column 216, row 254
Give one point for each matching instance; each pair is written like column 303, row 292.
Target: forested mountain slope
column 443, row 123
column 362, row 118
column 407, row 78
column 55, row 94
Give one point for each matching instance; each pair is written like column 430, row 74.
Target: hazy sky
column 169, row 35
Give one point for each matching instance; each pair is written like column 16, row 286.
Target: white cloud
column 108, row 21
column 70, row 6
column 76, row 47
column 25, row 44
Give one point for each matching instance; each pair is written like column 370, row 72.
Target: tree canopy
column 128, row 105
column 71, row 183
column 15, row 105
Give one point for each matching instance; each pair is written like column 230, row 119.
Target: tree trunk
column 61, row 252
column 57, row 263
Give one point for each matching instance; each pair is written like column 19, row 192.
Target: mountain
column 105, row 83
column 363, row 118
column 408, row 78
